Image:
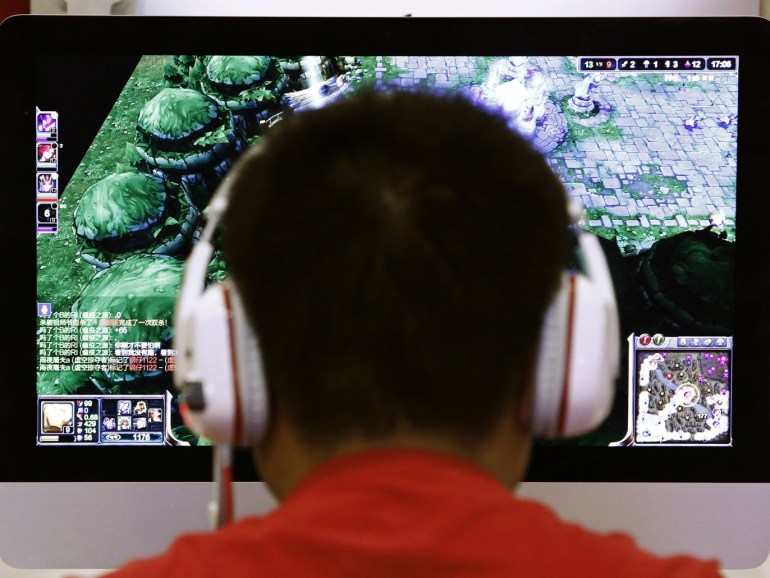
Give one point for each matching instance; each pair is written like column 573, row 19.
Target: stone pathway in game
column 670, row 161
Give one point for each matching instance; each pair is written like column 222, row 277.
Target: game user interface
column 646, row 145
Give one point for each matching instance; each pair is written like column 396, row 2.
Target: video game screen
column 646, row 145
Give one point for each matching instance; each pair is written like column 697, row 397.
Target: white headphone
column 219, row 365
column 219, row 368
column 579, row 355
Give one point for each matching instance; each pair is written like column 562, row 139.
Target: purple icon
column 47, row 183
column 44, row 310
column 46, row 122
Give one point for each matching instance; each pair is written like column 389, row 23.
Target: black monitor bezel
column 26, row 40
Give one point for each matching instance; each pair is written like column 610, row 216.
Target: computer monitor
column 135, row 122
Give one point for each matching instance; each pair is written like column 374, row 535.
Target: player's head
column 395, row 254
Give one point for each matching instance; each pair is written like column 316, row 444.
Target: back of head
column 395, row 254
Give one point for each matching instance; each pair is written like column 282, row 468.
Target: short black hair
column 396, row 253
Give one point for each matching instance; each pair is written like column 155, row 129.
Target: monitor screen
column 646, row 146
column 656, row 127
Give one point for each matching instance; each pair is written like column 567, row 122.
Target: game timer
column 106, row 420
column 680, row 390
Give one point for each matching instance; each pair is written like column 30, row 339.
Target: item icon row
column 660, row 340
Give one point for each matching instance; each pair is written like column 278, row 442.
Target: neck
column 284, row 458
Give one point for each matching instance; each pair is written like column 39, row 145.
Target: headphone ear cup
column 221, row 377
column 250, row 370
column 577, row 361
column 550, row 364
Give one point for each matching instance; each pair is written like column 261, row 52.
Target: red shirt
column 404, row 513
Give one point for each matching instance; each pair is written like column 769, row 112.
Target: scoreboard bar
column 657, row 63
